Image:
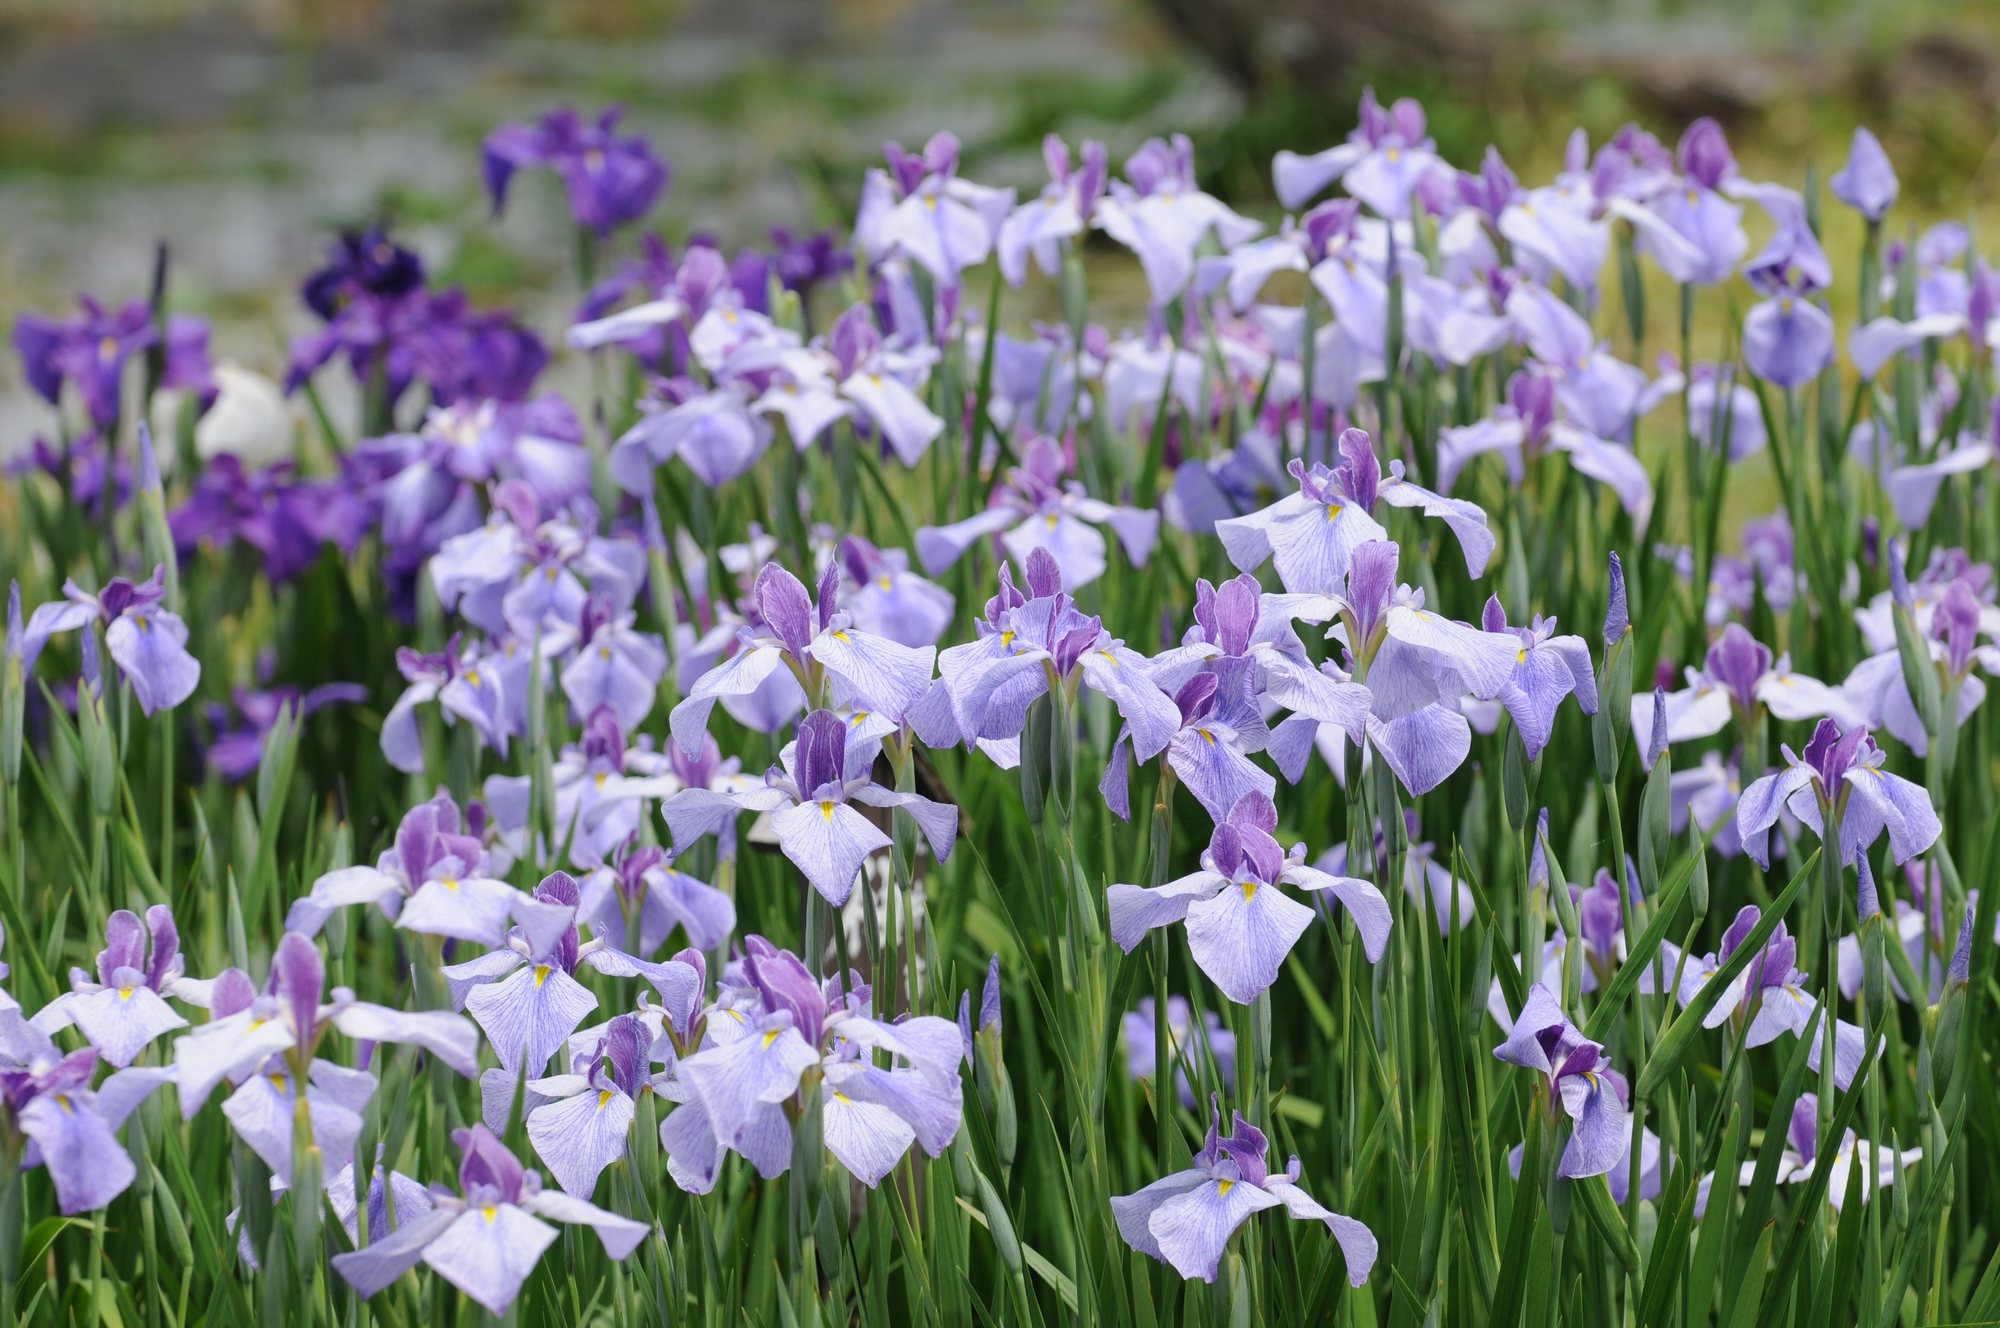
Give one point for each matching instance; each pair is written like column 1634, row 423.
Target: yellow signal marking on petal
column 278, row 1082
column 1007, row 637
column 1051, row 519
column 1223, row 1187
column 1207, row 736
column 1521, row 655
column 1108, row 655
column 541, row 974
column 859, row 715
column 839, row 1096
column 490, row 1213
column 887, row 584
column 1249, row 891
column 1333, row 511
column 930, row 201
column 771, row 1037
column 603, row 1096
column 737, row 1015
column 550, row 573
column 826, row 810
column 843, row 636
column 472, row 677
column 62, row 1100
column 602, row 775
column 125, row 993
column 449, row 884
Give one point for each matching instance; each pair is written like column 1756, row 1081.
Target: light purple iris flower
column 1062, row 212
column 1558, row 230
column 615, row 667
column 585, row 1121
column 1547, row 669
column 1738, row 679
column 1798, row 1161
column 1576, row 399
column 125, row 1010
column 816, row 645
column 922, row 209
column 1880, row 694
column 71, row 1128
column 437, row 878
column 1841, row 773
column 1312, row 534
column 1419, row 667
column 267, row 1045
column 1209, row 753
column 1719, row 405
column 764, row 1053
column 518, row 573
column 642, row 882
column 1182, row 1039
column 1296, row 246
column 1867, row 183
column 1026, row 644
column 523, row 993
column 700, row 284
column 1574, row 1074
column 853, row 373
column 714, row 431
column 810, row 798
column 1686, row 225
column 887, row 599
column 1186, row 1219
column 148, row 643
column 610, row 179
column 599, row 788
column 1381, row 163
column 1788, row 338
column 1770, row 995
column 1245, row 640
column 1158, row 213
column 486, row 1239
column 464, row 685
column 1240, row 924
column 1038, row 509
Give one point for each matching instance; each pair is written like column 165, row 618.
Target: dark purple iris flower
column 285, row 519
column 611, row 180
column 90, row 349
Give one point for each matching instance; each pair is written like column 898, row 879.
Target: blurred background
column 244, row 133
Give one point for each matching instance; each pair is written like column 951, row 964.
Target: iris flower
column 148, row 643
column 1575, row 1073
column 1186, row 1219
column 486, row 1239
column 1240, row 925
column 791, row 1031
column 267, row 1044
column 808, row 797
